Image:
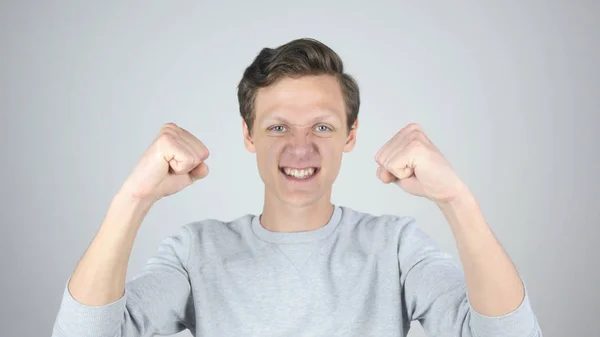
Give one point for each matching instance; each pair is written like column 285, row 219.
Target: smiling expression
column 299, row 136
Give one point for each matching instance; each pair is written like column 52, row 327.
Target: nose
column 301, row 143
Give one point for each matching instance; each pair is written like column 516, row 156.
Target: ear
column 351, row 140
column 248, row 142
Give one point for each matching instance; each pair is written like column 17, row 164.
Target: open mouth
column 299, row 174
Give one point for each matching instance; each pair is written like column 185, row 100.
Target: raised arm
column 97, row 302
column 489, row 298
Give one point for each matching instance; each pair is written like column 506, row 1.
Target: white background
column 509, row 91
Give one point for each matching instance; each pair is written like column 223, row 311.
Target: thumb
column 385, row 176
column 411, row 185
column 199, row 172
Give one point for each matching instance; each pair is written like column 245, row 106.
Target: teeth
column 301, row 174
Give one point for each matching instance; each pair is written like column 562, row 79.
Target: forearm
column 493, row 282
column 100, row 275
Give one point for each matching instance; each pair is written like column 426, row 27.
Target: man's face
column 299, row 136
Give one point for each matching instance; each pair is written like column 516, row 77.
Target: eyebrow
column 320, row 118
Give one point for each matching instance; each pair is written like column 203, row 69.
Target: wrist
column 126, row 196
column 464, row 214
column 461, row 199
column 126, row 212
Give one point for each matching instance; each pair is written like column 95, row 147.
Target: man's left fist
column 411, row 160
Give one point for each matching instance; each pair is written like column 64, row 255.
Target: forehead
column 301, row 99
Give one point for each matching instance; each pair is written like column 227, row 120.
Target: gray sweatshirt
column 359, row 275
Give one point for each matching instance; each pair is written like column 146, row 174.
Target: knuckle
column 169, row 125
column 166, row 139
column 414, row 126
column 415, row 143
column 411, row 129
column 204, row 153
column 414, row 135
column 191, row 160
column 170, row 128
column 379, row 157
column 202, row 150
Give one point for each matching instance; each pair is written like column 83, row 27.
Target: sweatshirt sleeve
column 157, row 301
column 435, row 293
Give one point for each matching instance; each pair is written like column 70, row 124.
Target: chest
column 299, row 291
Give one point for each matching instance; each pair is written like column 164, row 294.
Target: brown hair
column 296, row 58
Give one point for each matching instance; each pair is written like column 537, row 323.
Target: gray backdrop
column 508, row 90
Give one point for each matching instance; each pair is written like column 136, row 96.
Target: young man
column 303, row 267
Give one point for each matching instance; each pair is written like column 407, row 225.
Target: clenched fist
column 414, row 163
column 172, row 162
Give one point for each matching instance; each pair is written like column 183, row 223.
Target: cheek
column 331, row 151
column 267, row 155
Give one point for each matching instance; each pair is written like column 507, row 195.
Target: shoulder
column 384, row 227
column 213, row 238
column 356, row 219
column 403, row 233
column 215, row 230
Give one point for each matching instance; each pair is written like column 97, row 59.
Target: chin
column 300, row 199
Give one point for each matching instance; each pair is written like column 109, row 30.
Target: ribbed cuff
column 79, row 320
column 521, row 322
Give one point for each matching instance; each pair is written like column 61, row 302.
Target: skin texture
column 299, row 123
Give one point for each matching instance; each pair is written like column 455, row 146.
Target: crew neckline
column 297, row 237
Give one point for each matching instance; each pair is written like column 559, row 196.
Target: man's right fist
column 172, row 162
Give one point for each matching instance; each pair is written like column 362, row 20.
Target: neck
column 278, row 216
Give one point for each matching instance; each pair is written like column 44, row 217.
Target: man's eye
column 277, row 128
column 323, row 128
